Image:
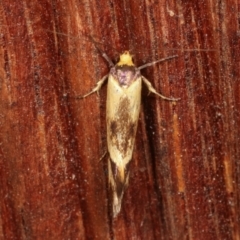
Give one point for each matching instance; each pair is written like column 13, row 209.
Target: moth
column 122, row 113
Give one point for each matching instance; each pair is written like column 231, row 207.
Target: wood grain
column 184, row 181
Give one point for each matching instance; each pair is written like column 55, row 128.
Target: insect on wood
column 122, row 113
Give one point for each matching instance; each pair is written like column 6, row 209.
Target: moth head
column 125, row 59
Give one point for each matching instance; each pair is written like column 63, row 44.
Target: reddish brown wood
column 184, row 180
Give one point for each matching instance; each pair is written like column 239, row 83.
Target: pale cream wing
column 123, row 106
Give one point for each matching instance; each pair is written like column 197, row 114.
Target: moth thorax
column 125, row 75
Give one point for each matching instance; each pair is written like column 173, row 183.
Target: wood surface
column 185, row 173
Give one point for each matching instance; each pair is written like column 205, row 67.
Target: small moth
column 122, row 113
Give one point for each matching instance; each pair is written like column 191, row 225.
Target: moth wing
column 123, row 107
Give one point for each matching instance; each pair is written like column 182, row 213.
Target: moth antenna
column 104, row 55
column 194, row 49
column 157, row 61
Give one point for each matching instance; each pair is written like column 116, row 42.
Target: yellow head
column 125, row 59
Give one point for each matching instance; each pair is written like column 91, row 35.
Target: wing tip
column 118, row 179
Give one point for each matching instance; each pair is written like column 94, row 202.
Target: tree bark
column 184, row 181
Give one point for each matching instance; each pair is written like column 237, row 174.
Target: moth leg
column 99, row 85
column 104, row 154
column 152, row 89
column 110, row 174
